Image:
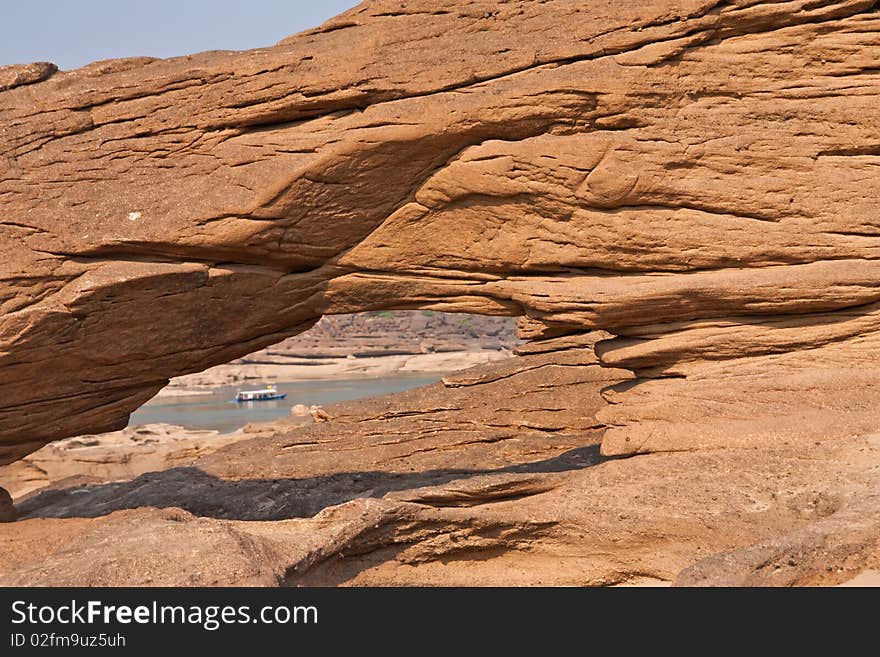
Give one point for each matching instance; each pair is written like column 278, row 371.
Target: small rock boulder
column 319, row 414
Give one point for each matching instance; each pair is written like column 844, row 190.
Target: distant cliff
column 391, row 333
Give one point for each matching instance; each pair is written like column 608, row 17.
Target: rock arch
column 697, row 179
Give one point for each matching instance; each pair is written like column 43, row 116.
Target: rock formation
column 394, row 333
column 696, row 179
column 8, row 512
column 112, row 456
column 493, row 477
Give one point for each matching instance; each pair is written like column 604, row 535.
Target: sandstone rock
column 867, row 578
column 835, row 549
column 693, row 185
column 7, row 510
column 391, row 333
column 18, row 75
column 319, row 414
column 166, row 547
column 696, row 179
column 419, row 437
column 118, row 455
column 497, row 482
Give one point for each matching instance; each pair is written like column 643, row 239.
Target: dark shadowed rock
column 7, row 510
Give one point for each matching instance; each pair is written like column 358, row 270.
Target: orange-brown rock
column 698, row 178
column 391, row 333
column 691, row 183
column 493, row 478
column 111, row 456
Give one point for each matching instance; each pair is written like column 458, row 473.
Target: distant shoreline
column 317, row 369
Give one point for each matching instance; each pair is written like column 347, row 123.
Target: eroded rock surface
column 697, row 178
column 693, row 184
column 494, row 478
column 503, row 417
column 8, row 512
column 112, row 456
column 392, row 333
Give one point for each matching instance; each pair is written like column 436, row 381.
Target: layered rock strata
column 493, row 477
column 696, row 178
column 678, row 199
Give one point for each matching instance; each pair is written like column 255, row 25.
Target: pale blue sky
column 72, row 33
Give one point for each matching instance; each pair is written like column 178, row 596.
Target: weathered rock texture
column 696, row 180
column 696, row 177
column 492, row 478
column 391, row 333
column 111, row 456
column 8, row 513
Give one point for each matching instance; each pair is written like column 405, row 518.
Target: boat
column 265, row 394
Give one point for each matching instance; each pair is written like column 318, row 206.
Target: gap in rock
column 341, row 358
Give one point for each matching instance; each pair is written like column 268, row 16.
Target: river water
column 220, row 412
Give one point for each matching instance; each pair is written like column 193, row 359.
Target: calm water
column 219, row 412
